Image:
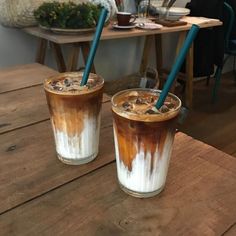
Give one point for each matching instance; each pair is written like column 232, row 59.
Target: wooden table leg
column 181, row 38
column 73, row 57
column 146, row 50
column 85, row 48
column 189, row 78
column 159, row 57
column 58, row 56
column 41, row 51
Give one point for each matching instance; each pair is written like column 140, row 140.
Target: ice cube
column 164, row 109
column 150, row 111
column 140, row 101
column 126, row 106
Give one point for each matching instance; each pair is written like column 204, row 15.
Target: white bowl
column 172, row 18
column 173, row 14
column 180, row 11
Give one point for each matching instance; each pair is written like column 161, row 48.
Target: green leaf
column 67, row 15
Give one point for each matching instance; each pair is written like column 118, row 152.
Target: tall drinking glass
column 143, row 139
column 75, row 115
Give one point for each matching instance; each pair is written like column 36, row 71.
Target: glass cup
column 75, row 113
column 143, row 140
column 143, row 9
column 163, row 13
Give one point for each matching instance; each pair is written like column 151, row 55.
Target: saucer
column 130, row 26
column 149, row 26
column 68, row 31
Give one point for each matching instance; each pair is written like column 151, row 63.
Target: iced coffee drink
column 75, row 115
column 143, row 139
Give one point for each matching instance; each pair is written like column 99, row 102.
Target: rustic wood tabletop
column 42, row 196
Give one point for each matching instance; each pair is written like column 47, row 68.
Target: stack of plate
column 173, row 14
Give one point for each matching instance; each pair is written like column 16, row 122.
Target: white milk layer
column 143, row 177
column 82, row 145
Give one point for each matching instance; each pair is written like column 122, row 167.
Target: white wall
column 114, row 58
column 15, row 47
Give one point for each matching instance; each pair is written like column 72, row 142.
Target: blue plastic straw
column 178, row 63
column 94, row 46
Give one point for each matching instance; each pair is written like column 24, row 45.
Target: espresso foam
column 69, row 83
column 140, row 104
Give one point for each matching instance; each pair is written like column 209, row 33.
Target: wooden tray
column 170, row 23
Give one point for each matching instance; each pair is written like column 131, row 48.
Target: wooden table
column 77, row 42
column 42, row 196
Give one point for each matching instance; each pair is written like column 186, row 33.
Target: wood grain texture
column 189, row 78
column 146, row 51
column 73, row 57
column 17, row 77
column 159, row 57
column 41, row 51
column 214, row 124
column 108, row 33
column 199, row 199
column 22, row 107
column 181, row 38
column 57, row 52
column 29, row 165
column 85, row 48
column 25, row 107
column 27, row 154
column 231, row 231
column 39, row 195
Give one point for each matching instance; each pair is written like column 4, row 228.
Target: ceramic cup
column 125, row 18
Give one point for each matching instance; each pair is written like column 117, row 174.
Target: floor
column 214, row 124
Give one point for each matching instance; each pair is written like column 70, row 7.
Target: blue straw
column 94, row 46
column 178, row 63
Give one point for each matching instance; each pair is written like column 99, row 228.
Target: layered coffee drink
column 143, row 139
column 75, row 113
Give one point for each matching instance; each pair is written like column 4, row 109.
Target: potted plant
column 67, row 15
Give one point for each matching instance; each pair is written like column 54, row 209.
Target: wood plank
column 159, row 57
column 214, row 123
column 27, row 106
column 231, row 231
column 22, row 107
column 146, row 50
column 85, row 48
column 189, row 78
column 21, row 76
column 108, row 33
column 57, row 52
column 204, row 128
column 199, row 199
column 29, row 166
column 181, row 38
column 41, row 51
column 73, row 57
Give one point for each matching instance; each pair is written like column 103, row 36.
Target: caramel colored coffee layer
column 69, row 107
column 138, row 131
column 134, row 136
